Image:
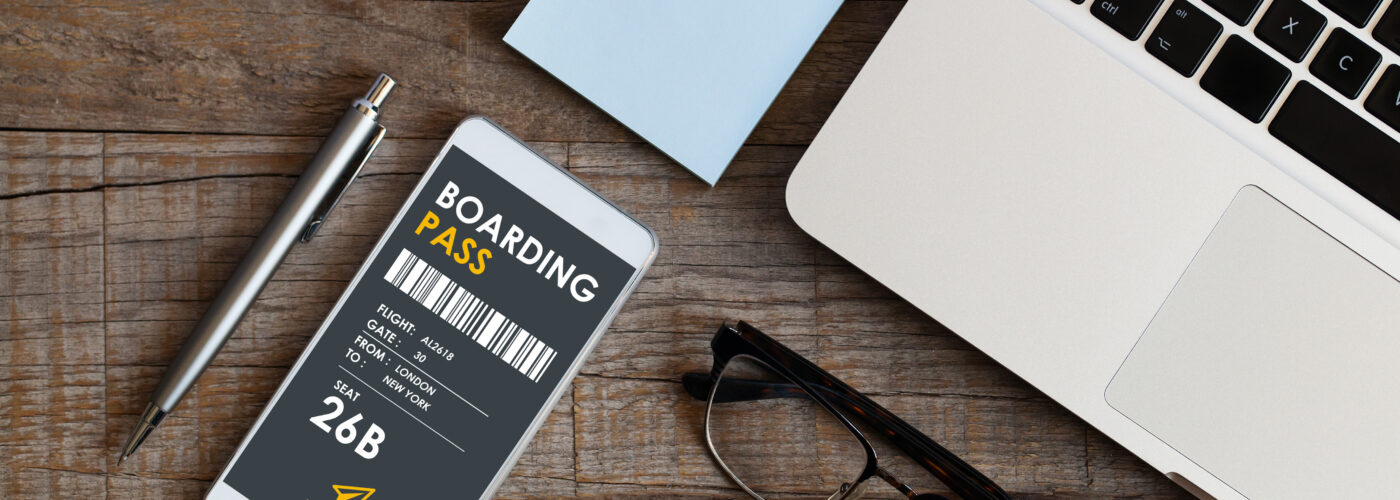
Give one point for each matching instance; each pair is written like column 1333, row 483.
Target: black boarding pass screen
column 440, row 357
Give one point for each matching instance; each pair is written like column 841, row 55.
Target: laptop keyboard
column 1246, row 74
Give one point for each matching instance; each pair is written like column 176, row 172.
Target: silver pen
column 318, row 190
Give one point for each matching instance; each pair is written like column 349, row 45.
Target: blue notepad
column 692, row 77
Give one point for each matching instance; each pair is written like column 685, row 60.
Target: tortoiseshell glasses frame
column 844, row 403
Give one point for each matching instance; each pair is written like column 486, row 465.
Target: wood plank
column 171, row 247
column 728, row 253
column 819, row 82
column 51, row 278
column 42, row 483
column 151, row 158
column 128, row 486
column 642, row 432
column 172, row 452
column 1030, row 447
column 230, row 400
column 518, row 486
column 51, row 384
column 28, row 161
column 291, row 68
column 52, row 445
column 645, row 492
column 546, row 468
column 727, row 248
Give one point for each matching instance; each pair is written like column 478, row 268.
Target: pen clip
column 319, row 219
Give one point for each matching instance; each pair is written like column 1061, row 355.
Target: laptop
column 1176, row 218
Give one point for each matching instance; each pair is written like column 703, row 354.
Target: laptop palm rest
column 1273, row 361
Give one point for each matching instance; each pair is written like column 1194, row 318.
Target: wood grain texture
column 143, row 146
column 284, row 68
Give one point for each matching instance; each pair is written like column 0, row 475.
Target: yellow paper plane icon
column 351, row 492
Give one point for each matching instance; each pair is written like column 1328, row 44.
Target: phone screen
column 438, row 360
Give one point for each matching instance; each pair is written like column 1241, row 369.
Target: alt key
column 1183, row 37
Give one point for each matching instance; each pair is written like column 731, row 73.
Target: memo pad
column 1272, row 362
column 692, row 77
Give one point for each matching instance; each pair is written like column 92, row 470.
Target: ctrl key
column 1128, row 17
column 1384, row 101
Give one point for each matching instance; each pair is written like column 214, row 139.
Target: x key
column 1290, row 27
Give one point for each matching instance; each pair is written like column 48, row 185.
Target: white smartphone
column 455, row 339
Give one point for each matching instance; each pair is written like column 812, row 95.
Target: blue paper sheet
column 692, row 77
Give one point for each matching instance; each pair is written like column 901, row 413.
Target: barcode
column 488, row 327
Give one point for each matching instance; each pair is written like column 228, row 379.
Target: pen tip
column 149, row 420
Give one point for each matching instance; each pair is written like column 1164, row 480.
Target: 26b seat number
column 346, row 432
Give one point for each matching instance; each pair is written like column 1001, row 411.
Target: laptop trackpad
column 1272, row 364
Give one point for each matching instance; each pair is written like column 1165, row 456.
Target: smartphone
column 453, row 342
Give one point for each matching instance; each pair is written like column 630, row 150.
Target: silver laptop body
column 1191, row 282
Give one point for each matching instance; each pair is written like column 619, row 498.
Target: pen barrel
column 320, row 179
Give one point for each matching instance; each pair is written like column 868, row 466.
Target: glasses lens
column 773, row 438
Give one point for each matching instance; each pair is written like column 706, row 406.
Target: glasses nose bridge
column 858, row 490
column 903, row 488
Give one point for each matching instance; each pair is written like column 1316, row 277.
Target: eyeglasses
column 774, row 419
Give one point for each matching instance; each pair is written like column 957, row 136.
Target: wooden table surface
column 144, row 145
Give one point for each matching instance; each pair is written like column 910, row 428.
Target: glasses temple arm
column 699, row 385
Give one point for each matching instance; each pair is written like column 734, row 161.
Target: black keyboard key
column 1354, row 11
column 1384, row 101
column 1127, row 17
column 1290, row 27
column 1183, row 37
column 1245, row 78
column 1238, row 11
column 1345, row 63
column 1342, row 143
column 1388, row 30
